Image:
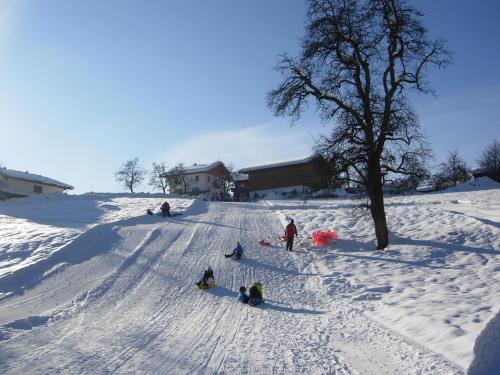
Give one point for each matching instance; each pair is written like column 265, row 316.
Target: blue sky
column 86, row 85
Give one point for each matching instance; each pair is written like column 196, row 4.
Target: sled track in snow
column 148, row 317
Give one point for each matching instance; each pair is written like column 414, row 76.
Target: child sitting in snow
column 165, row 209
column 207, row 278
column 242, row 295
column 255, row 295
column 237, row 252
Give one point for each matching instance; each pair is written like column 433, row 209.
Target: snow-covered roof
column 276, row 164
column 26, row 176
column 200, row 168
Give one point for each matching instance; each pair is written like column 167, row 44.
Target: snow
column 438, row 282
column 480, row 183
column 96, row 286
column 11, row 173
column 35, row 228
column 487, row 360
column 276, row 164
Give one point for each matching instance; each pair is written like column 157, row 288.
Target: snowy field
column 439, row 280
column 36, row 229
column 90, row 284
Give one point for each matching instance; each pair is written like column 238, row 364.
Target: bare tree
column 131, row 174
column 490, row 161
column 453, row 171
column 178, row 176
column 358, row 60
column 158, row 177
column 227, row 181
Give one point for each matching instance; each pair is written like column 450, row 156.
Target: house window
column 37, row 189
column 197, row 178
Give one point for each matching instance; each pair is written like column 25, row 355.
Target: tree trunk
column 376, row 195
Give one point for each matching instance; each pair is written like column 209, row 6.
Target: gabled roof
column 30, row 177
column 277, row 164
column 201, row 168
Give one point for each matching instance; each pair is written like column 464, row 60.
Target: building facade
column 197, row 179
column 287, row 178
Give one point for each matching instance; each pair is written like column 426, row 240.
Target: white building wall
column 206, row 184
column 203, row 183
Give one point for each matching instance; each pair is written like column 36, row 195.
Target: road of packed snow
column 119, row 296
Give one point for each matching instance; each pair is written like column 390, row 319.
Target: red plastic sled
column 264, row 243
column 320, row 238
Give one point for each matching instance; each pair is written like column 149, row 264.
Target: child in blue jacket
column 237, row 252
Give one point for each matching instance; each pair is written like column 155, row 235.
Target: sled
column 264, row 243
column 282, row 238
column 212, row 284
column 234, row 257
column 320, row 238
column 257, row 305
column 171, row 214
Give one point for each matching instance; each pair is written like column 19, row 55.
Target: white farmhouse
column 21, row 184
column 198, row 179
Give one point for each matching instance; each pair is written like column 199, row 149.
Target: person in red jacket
column 290, row 232
column 165, row 209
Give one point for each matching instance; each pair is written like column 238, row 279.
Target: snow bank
column 487, row 350
column 439, row 280
column 480, row 183
column 34, row 229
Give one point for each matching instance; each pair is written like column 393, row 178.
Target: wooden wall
column 313, row 174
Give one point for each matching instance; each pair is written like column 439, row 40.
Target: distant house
column 287, row 178
column 198, row 179
column 21, row 184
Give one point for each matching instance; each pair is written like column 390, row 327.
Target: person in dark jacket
column 290, row 233
column 207, row 278
column 237, row 252
column 242, row 295
column 165, row 209
column 255, row 294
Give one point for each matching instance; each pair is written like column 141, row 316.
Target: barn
column 287, row 178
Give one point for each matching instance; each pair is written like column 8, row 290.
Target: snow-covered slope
column 122, row 298
column 439, row 280
column 35, row 229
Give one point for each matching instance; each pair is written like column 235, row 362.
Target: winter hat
column 243, row 289
column 291, row 221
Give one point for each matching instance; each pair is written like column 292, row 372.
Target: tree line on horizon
column 453, row 171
